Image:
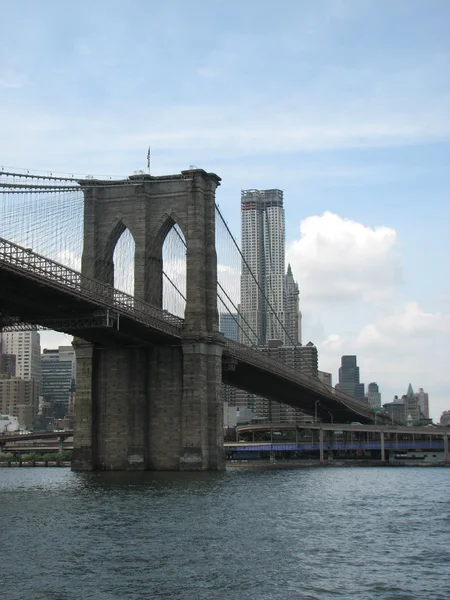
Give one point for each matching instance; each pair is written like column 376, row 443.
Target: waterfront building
column 373, row 396
column 396, row 410
column 445, row 418
column 8, row 424
column 349, row 378
column 20, row 398
column 58, row 380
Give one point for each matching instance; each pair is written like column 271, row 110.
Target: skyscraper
column 293, row 316
column 7, row 361
column 262, row 278
column 373, row 395
column 349, row 378
column 20, row 380
column 423, row 403
column 58, row 379
column 26, row 346
column 228, row 325
column 267, row 293
column 269, row 308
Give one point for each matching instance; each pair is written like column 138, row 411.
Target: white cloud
column 349, row 276
column 340, row 260
column 406, row 322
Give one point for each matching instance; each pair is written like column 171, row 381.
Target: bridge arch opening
column 123, row 259
column 174, row 271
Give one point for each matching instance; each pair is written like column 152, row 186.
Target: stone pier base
column 148, row 408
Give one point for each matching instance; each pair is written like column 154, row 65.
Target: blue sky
column 343, row 104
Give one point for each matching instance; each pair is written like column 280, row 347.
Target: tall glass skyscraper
column 264, row 285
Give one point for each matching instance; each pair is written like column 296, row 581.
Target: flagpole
column 148, row 160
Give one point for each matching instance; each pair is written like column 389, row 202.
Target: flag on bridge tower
column 148, row 160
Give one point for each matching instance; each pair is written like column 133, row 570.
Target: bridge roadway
column 39, row 291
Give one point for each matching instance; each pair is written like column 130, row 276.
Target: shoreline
column 259, row 464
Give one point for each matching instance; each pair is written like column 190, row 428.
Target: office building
column 7, row 365
column 412, row 409
column 267, row 292
column 270, row 315
column 423, row 403
column 373, row 396
column 301, row 358
column 228, row 325
column 396, row 411
column 293, row 316
column 58, row 380
column 349, row 378
column 406, row 410
column 26, row 347
column 20, row 398
column 325, row 378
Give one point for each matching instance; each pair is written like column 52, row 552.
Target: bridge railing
column 35, row 266
column 258, row 359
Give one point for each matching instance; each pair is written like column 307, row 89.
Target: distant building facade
column 7, row 361
column 396, row 410
column 423, row 403
column 293, row 316
column 349, row 378
column 20, row 398
column 8, row 424
column 228, row 325
column 412, row 409
column 406, row 410
column 26, row 347
column 325, row 378
column 301, row 358
column 58, row 380
column 374, row 396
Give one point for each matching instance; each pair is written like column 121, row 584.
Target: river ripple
column 349, row 533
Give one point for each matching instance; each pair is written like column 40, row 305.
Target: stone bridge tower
column 152, row 406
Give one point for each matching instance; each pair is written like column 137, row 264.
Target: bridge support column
column 83, row 441
column 202, row 411
column 383, row 456
column 446, row 452
column 321, row 444
column 155, row 408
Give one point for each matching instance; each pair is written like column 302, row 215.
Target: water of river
column 349, row 533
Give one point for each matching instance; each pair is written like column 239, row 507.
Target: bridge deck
column 40, row 291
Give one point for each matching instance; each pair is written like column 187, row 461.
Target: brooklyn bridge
column 150, row 363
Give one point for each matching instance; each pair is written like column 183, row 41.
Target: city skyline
column 356, row 135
